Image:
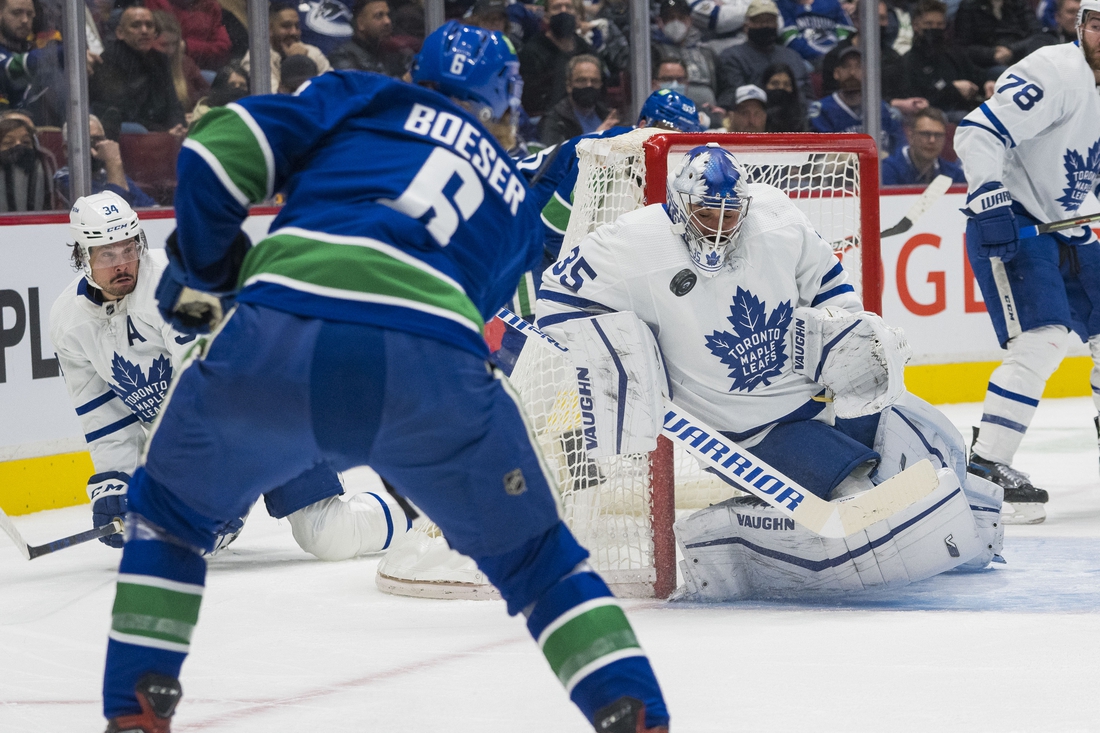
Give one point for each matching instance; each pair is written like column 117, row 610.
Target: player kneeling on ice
column 119, row 356
column 376, row 262
column 730, row 291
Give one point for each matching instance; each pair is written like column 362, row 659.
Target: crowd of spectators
column 156, row 66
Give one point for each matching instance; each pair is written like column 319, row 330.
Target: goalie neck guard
column 102, row 219
column 474, row 65
column 706, row 192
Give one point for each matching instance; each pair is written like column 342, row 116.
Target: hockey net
column 622, row 508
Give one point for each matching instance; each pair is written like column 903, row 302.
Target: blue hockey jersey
column 401, row 212
column 898, row 170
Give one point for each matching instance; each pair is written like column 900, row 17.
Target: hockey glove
column 187, row 309
column 991, row 207
column 108, row 494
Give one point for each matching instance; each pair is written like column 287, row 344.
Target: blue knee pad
column 155, row 502
column 151, row 619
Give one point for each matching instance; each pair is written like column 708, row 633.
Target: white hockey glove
column 855, row 355
column 621, row 381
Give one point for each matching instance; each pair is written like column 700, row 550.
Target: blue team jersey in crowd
column 813, row 30
column 831, row 114
column 401, row 211
column 898, row 170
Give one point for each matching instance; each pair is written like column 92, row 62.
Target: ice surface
column 289, row 643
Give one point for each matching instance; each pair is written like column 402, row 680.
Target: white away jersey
column 1039, row 134
column 118, row 358
column 726, row 343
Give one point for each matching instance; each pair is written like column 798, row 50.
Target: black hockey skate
column 1025, row 499
column 158, row 696
column 625, row 715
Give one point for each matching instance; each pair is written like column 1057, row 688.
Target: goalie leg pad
column 911, row 430
column 734, row 551
column 621, row 379
column 337, row 529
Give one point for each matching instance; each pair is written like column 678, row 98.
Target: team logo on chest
column 1081, row 174
column 142, row 393
column 756, row 350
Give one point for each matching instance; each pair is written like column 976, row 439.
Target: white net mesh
column 606, row 502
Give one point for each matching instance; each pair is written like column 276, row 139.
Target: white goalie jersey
column 726, row 342
column 1039, row 134
column 118, row 358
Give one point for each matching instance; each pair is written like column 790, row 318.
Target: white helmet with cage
column 706, row 192
column 103, row 219
column 1087, row 6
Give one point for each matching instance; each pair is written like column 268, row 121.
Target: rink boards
column 928, row 290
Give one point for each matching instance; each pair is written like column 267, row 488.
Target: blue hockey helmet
column 708, row 202
column 670, row 110
column 474, row 65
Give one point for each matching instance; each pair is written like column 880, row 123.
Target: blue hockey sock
column 157, row 600
column 590, row 645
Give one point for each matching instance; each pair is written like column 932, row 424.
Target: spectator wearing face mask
column 786, row 108
column 108, row 171
column 745, row 63
column 24, row 171
column 938, row 71
column 543, row 60
column 581, row 111
column 677, row 39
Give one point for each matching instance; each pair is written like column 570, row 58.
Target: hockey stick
column 938, row 187
column 32, row 551
column 742, row 468
column 1057, row 226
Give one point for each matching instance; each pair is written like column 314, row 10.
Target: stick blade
column 889, row 497
column 13, row 533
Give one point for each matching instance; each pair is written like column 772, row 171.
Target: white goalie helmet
column 707, row 203
column 1087, row 6
column 102, row 219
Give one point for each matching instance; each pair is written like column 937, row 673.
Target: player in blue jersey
column 405, row 227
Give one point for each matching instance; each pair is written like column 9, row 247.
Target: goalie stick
column 1057, row 226
column 32, row 551
column 725, row 457
column 937, row 188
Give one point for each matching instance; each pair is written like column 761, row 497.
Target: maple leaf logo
column 140, row 392
column 756, row 350
column 1081, row 174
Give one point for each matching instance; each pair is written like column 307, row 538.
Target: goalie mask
column 106, row 220
column 707, row 203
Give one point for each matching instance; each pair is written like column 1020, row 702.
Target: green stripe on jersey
column 556, row 213
column 599, row 632
column 156, row 613
column 232, row 142
column 357, row 269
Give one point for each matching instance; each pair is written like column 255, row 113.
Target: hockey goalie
column 728, row 302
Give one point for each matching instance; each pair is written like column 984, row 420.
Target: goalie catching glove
column 620, row 380
column 856, row 356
